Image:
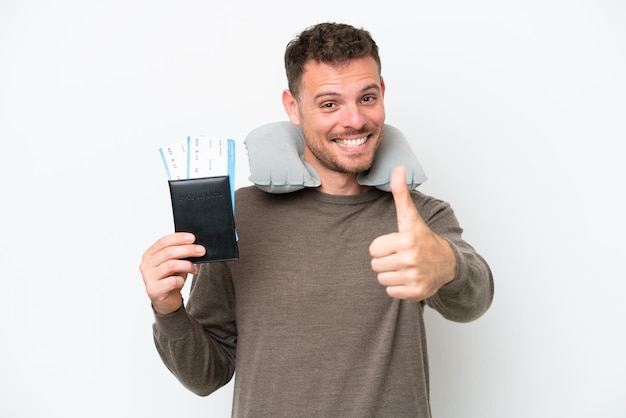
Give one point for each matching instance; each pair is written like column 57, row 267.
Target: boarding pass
column 200, row 157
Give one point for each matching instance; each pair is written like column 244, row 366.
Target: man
column 322, row 314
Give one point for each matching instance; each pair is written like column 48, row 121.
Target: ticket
column 207, row 157
column 174, row 158
column 200, row 157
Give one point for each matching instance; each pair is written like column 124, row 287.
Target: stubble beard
column 331, row 162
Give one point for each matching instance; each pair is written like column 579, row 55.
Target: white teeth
column 351, row 142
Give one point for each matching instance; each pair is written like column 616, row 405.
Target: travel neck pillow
column 275, row 155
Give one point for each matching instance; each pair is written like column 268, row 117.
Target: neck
column 340, row 184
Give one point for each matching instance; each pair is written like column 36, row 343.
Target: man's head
column 336, row 95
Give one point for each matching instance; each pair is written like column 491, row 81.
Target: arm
column 196, row 344
column 470, row 293
column 428, row 260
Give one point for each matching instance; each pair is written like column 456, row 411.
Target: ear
column 291, row 107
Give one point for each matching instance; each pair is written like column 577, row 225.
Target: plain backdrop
column 516, row 110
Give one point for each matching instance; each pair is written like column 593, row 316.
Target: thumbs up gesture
column 414, row 262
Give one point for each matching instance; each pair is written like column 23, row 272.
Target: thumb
column 406, row 212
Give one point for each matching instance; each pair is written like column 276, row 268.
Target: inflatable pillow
column 275, row 154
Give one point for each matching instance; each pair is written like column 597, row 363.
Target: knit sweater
column 301, row 317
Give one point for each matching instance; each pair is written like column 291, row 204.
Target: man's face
column 341, row 112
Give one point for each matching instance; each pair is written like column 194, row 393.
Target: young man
column 322, row 315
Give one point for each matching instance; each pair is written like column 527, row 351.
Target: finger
column 177, row 238
column 159, row 289
column 168, row 241
column 174, row 267
column 390, row 278
column 170, row 247
column 406, row 213
column 383, row 246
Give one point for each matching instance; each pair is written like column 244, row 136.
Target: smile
column 351, row 142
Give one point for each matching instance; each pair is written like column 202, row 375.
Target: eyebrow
column 373, row 86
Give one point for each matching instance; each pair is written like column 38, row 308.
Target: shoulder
column 247, row 192
column 431, row 207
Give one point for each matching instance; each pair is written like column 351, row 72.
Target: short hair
column 328, row 43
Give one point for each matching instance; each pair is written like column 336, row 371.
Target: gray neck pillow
column 275, row 154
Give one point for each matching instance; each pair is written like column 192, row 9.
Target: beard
column 327, row 156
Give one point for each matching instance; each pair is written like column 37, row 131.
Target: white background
column 516, row 110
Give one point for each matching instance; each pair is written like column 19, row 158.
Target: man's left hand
column 414, row 262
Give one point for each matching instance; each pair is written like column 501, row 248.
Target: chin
column 358, row 168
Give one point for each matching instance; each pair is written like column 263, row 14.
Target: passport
column 204, row 207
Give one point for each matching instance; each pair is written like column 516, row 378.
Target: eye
column 369, row 99
column 328, row 105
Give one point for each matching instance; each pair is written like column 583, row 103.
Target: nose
column 353, row 117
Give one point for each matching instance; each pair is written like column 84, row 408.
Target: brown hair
column 329, row 43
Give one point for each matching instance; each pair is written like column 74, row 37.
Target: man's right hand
column 164, row 273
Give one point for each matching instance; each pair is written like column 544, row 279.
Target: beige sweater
column 301, row 317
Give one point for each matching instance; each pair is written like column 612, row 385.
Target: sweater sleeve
column 470, row 294
column 197, row 342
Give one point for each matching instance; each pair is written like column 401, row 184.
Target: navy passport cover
column 203, row 206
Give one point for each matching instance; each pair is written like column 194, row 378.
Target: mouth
column 351, row 143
